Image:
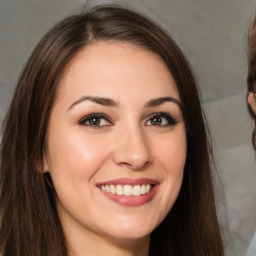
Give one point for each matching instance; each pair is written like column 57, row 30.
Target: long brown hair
column 29, row 220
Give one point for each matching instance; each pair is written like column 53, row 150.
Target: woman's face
column 116, row 143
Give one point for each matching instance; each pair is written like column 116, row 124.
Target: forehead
column 113, row 65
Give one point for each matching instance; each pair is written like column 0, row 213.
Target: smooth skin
column 117, row 115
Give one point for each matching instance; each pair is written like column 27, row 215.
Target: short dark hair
column 29, row 220
column 251, row 74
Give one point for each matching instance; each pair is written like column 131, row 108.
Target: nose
column 132, row 149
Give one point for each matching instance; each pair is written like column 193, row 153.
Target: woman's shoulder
column 252, row 247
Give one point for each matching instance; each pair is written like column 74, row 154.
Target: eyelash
column 99, row 117
column 170, row 120
column 96, row 116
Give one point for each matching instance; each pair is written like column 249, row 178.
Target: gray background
column 212, row 35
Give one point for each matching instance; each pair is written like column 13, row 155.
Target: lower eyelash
column 168, row 117
column 171, row 120
column 93, row 115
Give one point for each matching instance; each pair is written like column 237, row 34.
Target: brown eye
column 161, row 119
column 156, row 120
column 96, row 121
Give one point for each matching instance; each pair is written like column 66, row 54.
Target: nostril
column 132, row 151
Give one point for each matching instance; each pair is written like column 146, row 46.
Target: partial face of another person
column 116, row 142
column 252, row 101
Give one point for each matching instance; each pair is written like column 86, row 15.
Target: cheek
column 172, row 156
column 73, row 154
column 172, row 153
column 173, row 161
column 73, row 161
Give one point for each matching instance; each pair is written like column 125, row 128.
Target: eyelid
column 84, row 119
column 171, row 120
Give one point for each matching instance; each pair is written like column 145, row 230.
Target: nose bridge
column 133, row 147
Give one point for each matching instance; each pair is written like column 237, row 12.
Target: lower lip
column 132, row 200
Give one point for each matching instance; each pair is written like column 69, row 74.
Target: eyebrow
column 112, row 103
column 102, row 101
column 159, row 101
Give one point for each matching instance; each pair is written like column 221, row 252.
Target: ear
column 45, row 164
column 252, row 101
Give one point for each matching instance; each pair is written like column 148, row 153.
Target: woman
column 104, row 146
column 251, row 97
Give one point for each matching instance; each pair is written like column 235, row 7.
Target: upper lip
column 129, row 181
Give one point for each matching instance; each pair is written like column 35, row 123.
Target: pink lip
column 128, row 181
column 131, row 201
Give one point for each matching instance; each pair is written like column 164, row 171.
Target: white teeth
column 148, row 187
column 127, row 190
column 112, row 189
column 136, row 190
column 119, row 190
column 143, row 189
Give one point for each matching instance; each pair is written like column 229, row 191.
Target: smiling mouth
column 127, row 190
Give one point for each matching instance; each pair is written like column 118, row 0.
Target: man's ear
column 252, row 101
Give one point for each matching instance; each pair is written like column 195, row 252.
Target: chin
column 132, row 230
